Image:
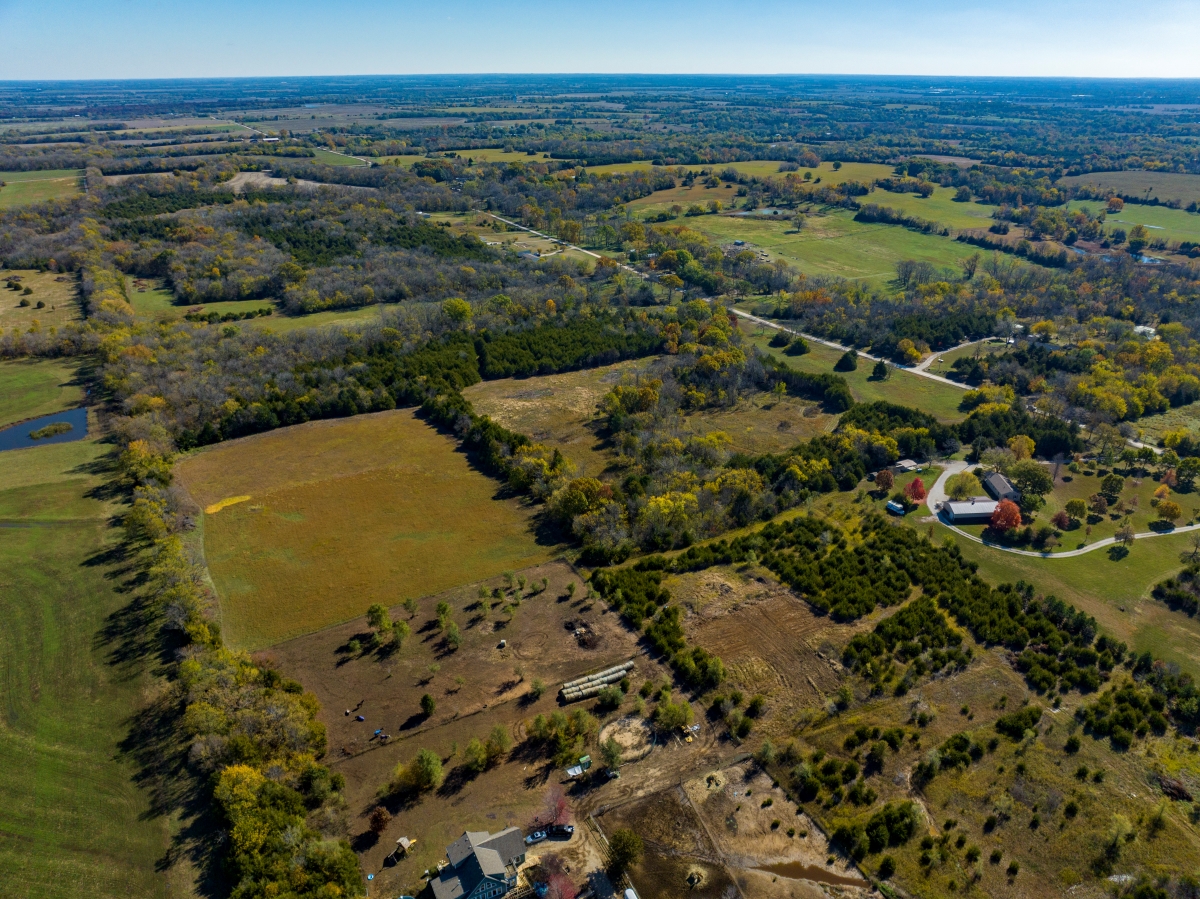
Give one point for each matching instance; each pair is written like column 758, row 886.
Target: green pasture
column 832, row 243
column 155, row 302
column 30, row 388
column 22, row 188
column 940, row 208
column 327, row 157
column 938, row 399
column 75, row 822
column 1161, row 222
column 1151, row 185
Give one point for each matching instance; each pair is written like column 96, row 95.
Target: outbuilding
column 1001, row 488
column 976, row 510
column 906, row 466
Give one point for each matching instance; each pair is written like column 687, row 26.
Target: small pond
column 18, row 436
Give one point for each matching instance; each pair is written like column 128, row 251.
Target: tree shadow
column 1118, row 552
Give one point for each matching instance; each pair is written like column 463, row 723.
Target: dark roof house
column 1000, row 487
column 482, row 865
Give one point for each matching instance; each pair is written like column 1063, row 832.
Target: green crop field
column 834, row 244
column 74, row 821
column 940, row 208
column 30, row 388
column 22, row 188
column 1152, row 185
column 938, row 399
column 1161, row 222
column 327, row 157
column 309, row 525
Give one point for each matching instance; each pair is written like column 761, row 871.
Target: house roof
column 475, row 855
column 998, row 484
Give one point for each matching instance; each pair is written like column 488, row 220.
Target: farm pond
column 61, row 427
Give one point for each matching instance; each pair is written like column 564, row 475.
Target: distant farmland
column 1160, row 185
column 342, row 514
column 22, row 188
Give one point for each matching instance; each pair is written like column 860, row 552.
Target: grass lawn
column 832, row 243
column 280, row 323
column 75, row 822
column 341, row 514
column 1080, row 486
column 30, row 388
column 1160, row 221
column 938, row 399
column 1114, row 591
column 939, row 208
column 327, row 157
column 57, row 292
column 1160, row 185
column 942, row 365
column 22, row 188
column 154, row 301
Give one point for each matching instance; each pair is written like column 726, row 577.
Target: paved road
column 937, row 496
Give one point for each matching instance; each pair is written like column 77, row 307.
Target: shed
column 976, row 510
column 905, row 466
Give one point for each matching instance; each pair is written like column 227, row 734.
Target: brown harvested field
column 323, row 519
column 560, row 411
column 1153, row 185
column 58, row 291
column 476, row 688
column 769, row 639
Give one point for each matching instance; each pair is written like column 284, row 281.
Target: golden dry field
column 342, row 514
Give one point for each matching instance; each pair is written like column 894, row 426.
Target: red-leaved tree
column 1006, row 517
column 915, row 491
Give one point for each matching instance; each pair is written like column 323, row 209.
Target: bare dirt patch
column 730, row 832
column 769, row 639
column 633, row 734
column 476, row 688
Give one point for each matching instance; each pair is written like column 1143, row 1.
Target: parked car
column 560, row 830
column 536, row 837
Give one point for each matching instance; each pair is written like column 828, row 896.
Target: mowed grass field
column 938, row 399
column 832, row 243
column 31, row 388
column 336, row 515
column 22, row 188
column 59, row 293
column 1154, row 185
column 327, row 157
column 1161, row 222
column 940, row 208
column 74, row 821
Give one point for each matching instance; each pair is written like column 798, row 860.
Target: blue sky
column 172, row 38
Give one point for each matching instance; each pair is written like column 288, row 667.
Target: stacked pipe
column 586, row 687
